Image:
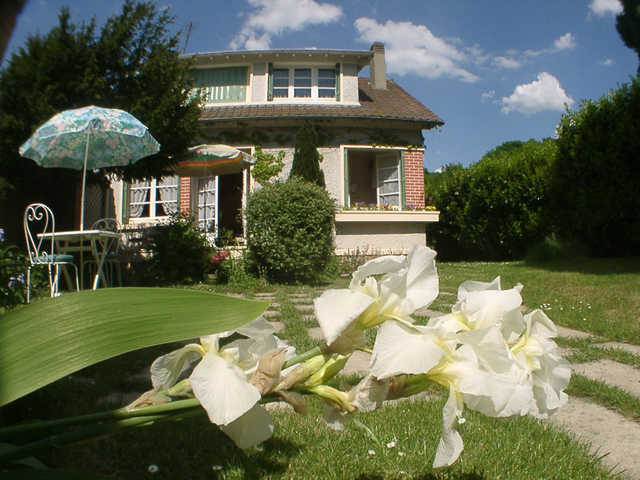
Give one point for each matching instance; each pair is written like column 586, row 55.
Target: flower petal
column 377, row 266
column 251, row 429
column 222, row 389
column 166, row 369
column 400, row 349
column 337, row 309
column 422, row 279
column 450, row 446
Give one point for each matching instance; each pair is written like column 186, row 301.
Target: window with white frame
column 304, row 83
column 207, row 204
column 153, row 198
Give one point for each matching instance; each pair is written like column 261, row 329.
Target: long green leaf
column 51, row 338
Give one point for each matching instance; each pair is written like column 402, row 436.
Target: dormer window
column 300, row 83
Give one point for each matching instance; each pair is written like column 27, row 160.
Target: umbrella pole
column 84, row 179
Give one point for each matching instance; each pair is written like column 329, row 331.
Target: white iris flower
column 220, row 380
column 407, row 283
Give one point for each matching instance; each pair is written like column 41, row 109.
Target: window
column 153, row 198
column 207, row 204
column 304, row 83
column 374, row 179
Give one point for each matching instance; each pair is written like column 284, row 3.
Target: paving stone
column 304, row 308
column 270, row 314
column 277, row 326
column 298, row 295
column 302, row 300
column 565, row 332
column 264, row 295
column 634, row 349
column 273, row 305
column 606, row 433
column 358, row 363
column 315, row 333
column 612, row 373
column 309, row 318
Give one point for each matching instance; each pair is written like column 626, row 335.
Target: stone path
column 606, row 432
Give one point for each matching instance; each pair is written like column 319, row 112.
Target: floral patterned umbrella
column 89, row 137
column 212, row 160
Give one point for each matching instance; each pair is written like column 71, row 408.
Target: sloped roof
column 394, row 103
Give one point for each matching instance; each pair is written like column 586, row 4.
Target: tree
column 267, row 166
column 596, row 174
column 628, row 25
column 306, row 158
column 133, row 64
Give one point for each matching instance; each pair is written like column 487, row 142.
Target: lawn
column 600, row 296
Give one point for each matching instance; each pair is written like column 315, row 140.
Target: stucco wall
column 379, row 238
column 258, row 83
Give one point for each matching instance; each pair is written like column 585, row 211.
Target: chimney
column 377, row 67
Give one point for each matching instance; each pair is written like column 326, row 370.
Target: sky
column 494, row 71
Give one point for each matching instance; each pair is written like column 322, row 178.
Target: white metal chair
column 39, row 219
column 111, row 265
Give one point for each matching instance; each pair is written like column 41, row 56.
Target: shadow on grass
column 431, row 476
column 588, row 265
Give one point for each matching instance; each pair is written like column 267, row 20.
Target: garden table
column 98, row 242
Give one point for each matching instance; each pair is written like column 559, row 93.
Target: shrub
column 596, row 174
column 267, row 166
column 13, row 264
column 290, row 230
column 179, row 252
column 306, row 158
column 495, row 209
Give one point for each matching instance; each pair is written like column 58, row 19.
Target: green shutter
column 337, row 82
column 125, row 202
column 270, row 83
column 347, row 200
column 228, row 84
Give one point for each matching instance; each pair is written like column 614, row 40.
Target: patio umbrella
column 89, row 138
column 212, row 160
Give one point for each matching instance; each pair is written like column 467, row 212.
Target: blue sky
column 493, row 70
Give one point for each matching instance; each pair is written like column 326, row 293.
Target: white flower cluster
column 489, row 356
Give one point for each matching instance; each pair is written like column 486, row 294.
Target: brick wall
column 185, row 195
column 414, row 178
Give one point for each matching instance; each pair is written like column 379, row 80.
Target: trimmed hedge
column 290, row 230
column 495, row 209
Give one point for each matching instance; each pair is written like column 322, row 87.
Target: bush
column 180, row 252
column 495, row 209
column 596, row 174
column 13, row 265
column 290, row 230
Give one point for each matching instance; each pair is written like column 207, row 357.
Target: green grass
column 601, row 296
column 303, row 447
column 604, row 292
column 609, row 396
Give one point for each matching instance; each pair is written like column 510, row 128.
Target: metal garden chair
column 39, row 219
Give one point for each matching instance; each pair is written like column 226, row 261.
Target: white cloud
column 605, row 7
column 275, row 17
column 506, row 62
column 414, row 49
column 607, row 62
column 565, row 42
column 545, row 93
column 486, row 96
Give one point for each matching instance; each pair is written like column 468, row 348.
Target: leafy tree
column 267, row 166
column 132, row 64
column 596, row 174
column 628, row 25
column 306, row 158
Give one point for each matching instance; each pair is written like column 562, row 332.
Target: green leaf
column 46, row 340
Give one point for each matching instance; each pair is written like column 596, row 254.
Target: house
column 370, row 132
